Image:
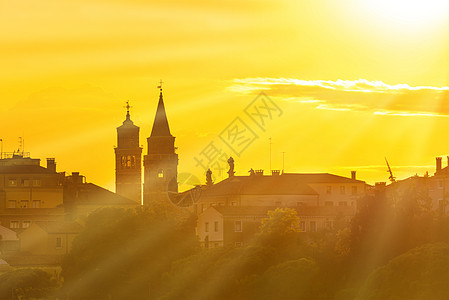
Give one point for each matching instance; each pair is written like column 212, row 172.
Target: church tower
column 128, row 158
column 161, row 162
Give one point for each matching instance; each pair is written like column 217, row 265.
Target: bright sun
column 410, row 12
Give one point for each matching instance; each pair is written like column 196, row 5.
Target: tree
column 280, row 227
column 421, row 273
column 122, row 254
column 295, row 279
column 27, row 284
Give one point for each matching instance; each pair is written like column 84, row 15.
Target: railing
column 4, row 155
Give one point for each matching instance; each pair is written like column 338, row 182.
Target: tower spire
column 160, row 125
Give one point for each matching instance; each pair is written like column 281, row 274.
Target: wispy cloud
column 354, row 95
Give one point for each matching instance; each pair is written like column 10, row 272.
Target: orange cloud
column 375, row 97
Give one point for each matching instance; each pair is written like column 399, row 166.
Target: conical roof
column 160, row 125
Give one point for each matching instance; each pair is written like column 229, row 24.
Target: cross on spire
column 127, row 109
column 160, row 85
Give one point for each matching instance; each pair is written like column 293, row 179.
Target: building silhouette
column 230, row 211
column 28, row 191
column 128, row 160
column 161, row 162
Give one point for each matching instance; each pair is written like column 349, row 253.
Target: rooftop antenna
column 270, row 153
column 20, row 145
column 1, row 150
column 392, row 178
column 283, row 162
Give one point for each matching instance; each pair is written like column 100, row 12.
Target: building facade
column 28, row 191
column 230, row 212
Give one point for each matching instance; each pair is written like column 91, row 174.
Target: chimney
column 77, row 178
column 438, row 163
column 353, row 175
column 259, row 172
column 51, row 165
column 275, row 172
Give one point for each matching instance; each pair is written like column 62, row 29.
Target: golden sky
column 355, row 80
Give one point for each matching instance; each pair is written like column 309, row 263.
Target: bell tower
column 128, row 158
column 161, row 162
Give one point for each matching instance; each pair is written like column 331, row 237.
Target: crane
column 392, row 178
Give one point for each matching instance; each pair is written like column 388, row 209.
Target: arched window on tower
column 123, row 162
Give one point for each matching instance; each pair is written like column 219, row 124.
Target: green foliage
column 27, row 284
column 421, row 273
column 295, row 279
column 218, row 273
column 281, row 221
column 280, row 228
column 122, row 254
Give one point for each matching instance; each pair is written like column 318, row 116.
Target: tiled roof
column 92, row 194
column 302, row 210
column 259, row 185
column 60, row 227
column 321, row 178
column 23, row 169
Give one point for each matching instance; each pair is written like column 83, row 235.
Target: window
column 302, row 226
column 202, row 207
column 160, row 173
column 299, row 203
column 26, row 224
column 312, row 226
column 440, row 183
column 354, row 190
column 37, row 182
column 216, row 245
column 328, row 189
column 36, row 203
column 24, row 204
column 58, row 242
column 12, row 204
column 14, row 224
column 238, row 244
column 328, row 203
column 342, row 190
column 25, row 182
column 238, row 226
column 342, row 203
column 216, row 226
column 329, row 224
column 213, row 204
column 12, row 182
column 206, row 227
column 233, row 203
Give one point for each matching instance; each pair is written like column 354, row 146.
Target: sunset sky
column 354, row 81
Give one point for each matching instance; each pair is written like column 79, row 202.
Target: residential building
column 28, row 191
